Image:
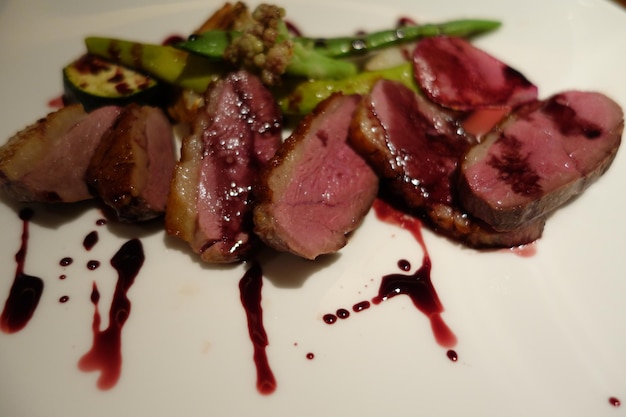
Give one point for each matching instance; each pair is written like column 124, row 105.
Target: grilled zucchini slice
column 95, row 82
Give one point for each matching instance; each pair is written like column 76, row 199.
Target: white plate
column 537, row 336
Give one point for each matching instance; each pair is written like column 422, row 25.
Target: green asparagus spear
column 356, row 45
column 212, row 44
column 310, row 64
column 166, row 63
column 300, row 98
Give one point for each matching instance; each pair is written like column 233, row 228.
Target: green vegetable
column 213, row 44
column 210, row 44
column 356, row 45
column 95, row 82
column 310, row 64
column 300, row 98
column 265, row 47
column 165, row 63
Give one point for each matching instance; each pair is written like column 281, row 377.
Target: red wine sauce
column 25, row 291
column 342, row 313
column 250, row 292
column 329, row 318
column 360, row 306
column 67, row 261
column 90, row 240
column 173, row 39
column 93, row 265
column 418, row 286
column 57, row 102
column 106, row 354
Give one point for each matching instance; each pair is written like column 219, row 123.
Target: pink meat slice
column 317, row 189
column 47, row 161
column 411, row 141
column 455, row 74
column 211, row 196
column 416, row 147
column 132, row 166
column 540, row 157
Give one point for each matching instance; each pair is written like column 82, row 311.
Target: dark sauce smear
column 90, row 240
column 106, row 353
column 25, row 291
column 250, row 287
column 418, row 286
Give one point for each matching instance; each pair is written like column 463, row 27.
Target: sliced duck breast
column 417, row 147
column 132, row 166
column 316, row 189
column 46, row 161
column 455, row 74
column 211, row 197
column 541, row 156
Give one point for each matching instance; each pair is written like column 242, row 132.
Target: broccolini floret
column 264, row 46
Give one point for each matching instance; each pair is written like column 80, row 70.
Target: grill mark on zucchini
column 95, row 82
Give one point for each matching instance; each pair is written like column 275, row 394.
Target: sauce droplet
column 90, row 240
column 404, row 265
column 329, row 318
column 615, row 402
column 91, row 265
column 342, row 313
column 360, row 306
column 67, row 261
